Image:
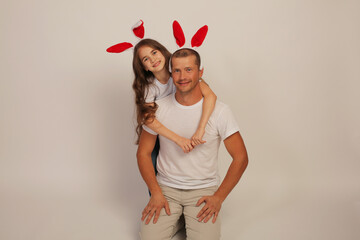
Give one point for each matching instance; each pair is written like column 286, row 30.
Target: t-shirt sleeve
column 227, row 124
column 146, row 128
column 150, row 95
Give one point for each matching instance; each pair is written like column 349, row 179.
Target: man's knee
column 164, row 228
column 196, row 230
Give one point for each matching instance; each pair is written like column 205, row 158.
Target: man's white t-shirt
column 199, row 168
column 157, row 90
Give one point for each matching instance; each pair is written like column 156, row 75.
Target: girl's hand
column 196, row 139
column 185, row 144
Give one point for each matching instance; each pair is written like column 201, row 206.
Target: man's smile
column 183, row 83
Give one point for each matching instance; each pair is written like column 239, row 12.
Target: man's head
column 185, row 68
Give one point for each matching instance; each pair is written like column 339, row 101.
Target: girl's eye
column 145, row 59
column 154, row 52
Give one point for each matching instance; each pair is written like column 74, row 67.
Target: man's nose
column 182, row 75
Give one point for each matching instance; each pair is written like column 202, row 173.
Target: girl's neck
column 162, row 76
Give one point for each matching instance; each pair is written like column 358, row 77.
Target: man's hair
column 186, row 52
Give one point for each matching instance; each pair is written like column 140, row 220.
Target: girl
column 152, row 82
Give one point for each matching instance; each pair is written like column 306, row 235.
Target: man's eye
column 189, row 69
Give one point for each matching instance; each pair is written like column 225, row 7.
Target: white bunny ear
column 178, row 34
column 138, row 29
column 199, row 37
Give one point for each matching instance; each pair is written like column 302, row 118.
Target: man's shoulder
column 165, row 102
column 219, row 107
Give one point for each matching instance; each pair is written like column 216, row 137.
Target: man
column 187, row 183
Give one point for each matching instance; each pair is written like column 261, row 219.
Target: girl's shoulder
column 158, row 90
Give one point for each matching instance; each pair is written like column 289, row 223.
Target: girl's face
column 152, row 59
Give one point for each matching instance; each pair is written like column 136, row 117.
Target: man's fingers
column 202, row 211
column 167, row 208
column 215, row 216
column 150, row 216
column 210, row 214
column 157, row 214
column 201, row 200
column 144, row 214
column 204, row 214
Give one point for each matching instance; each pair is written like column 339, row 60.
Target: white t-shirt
column 157, row 90
column 199, row 168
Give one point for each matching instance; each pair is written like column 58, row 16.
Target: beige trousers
column 182, row 202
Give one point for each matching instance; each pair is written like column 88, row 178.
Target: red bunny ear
column 139, row 29
column 118, row 48
column 178, row 34
column 199, row 36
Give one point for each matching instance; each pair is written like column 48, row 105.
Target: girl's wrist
column 201, row 128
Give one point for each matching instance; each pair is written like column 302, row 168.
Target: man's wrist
column 156, row 191
column 220, row 196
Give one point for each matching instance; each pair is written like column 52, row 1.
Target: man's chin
column 183, row 90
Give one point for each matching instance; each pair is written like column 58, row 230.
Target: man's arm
column 236, row 148
column 157, row 200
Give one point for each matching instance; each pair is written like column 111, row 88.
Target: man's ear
column 201, row 72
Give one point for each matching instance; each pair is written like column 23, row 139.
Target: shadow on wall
column 127, row 190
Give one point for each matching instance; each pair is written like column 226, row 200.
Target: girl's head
column 150, row 57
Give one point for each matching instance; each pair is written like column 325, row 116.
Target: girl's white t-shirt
column 157, row 90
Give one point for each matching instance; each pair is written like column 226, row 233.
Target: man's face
column 186, row 73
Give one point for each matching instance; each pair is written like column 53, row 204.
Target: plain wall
column 289, row 70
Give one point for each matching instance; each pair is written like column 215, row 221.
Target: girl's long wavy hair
column 143, row 79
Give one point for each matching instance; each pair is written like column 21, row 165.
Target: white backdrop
column 289, row 70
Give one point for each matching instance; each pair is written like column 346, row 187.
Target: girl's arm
column 159, row 128
column 207, row 109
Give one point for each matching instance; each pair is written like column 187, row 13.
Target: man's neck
column 162, row 76
column 189, row 98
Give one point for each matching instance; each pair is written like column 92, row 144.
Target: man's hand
column 156, row 203
column 211, row 208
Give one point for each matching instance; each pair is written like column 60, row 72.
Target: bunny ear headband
column 196, row 40
column 139, row 31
